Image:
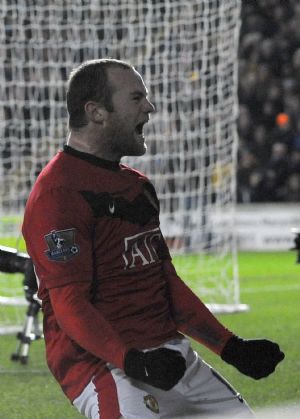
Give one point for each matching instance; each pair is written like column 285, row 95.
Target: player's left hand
column 256, row 358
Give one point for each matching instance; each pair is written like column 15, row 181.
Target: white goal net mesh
column 187, row 54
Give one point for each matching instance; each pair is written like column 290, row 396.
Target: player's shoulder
column 133, row 172
column 55, row 176
column 55, row 171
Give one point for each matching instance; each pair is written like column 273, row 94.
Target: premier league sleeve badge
column 61, row 245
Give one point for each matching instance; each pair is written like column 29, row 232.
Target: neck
column 87, row 143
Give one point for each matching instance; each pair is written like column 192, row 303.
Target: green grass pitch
column 270, row 284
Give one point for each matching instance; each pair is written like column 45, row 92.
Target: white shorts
column 201, row 393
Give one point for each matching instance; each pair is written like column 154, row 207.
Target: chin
column 134, row 152
column 139, row 149
column 143, row 150
column 138, row 152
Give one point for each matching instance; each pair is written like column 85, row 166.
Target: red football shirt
column 106, row 280
column 92, row 230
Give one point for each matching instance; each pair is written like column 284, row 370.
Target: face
column 124, row 127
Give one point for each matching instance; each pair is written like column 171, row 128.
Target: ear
column 95, row 112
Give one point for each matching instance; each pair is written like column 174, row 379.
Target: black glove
column 256, row 358
column 161, row 368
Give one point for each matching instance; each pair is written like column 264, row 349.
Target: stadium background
column 269, row 83
column 268, row 170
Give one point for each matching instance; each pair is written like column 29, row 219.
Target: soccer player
column 116, row 314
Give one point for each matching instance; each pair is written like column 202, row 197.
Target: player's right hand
column 161, row 368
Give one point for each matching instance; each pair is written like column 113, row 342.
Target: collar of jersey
column 90, row 158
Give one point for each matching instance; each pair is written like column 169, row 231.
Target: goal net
column 187, row 54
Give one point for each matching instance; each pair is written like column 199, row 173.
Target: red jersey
column 105, row 278
column 94, row 221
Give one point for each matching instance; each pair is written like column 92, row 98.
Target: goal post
column 187, row 53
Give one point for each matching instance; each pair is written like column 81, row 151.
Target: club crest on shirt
column 61, row 245
column 151, row 403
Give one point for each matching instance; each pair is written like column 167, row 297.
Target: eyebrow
column 140, row 93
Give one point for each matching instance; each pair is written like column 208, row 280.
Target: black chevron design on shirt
column 139, row 211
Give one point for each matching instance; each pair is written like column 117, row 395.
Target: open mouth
column 139, row 129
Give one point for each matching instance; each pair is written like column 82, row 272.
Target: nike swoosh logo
column 111, row 208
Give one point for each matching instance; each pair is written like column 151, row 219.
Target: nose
column 148, row 106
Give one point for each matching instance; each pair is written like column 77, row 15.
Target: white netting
column 187, row 54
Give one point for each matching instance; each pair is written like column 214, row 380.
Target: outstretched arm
column 256, row 358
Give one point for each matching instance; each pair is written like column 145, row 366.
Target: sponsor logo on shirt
column 61, row 245
column 141, row 249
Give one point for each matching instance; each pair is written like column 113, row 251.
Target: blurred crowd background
column 269, row 87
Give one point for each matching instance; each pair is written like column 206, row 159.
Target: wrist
column 229, row 348
column 134, row 363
